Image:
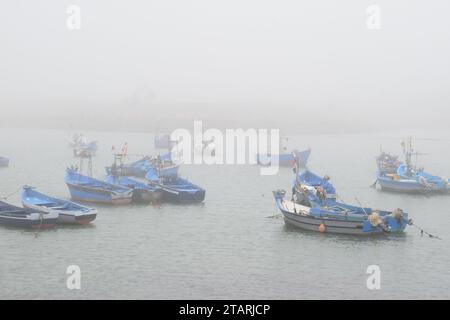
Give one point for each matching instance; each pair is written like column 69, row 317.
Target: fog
column 311, row 66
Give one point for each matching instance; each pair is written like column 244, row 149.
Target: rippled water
column 231, row 246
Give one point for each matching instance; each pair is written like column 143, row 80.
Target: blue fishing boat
column 86, row 188
column 165, row 167
column 12, row 216
column 176, row 189
column 4, row 162
column 142, row 192
column 68, row 212
column 408, row 178
column 340, row 218
column 138, row 168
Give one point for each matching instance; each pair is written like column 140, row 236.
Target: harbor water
column 233, row 246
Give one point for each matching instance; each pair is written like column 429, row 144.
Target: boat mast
column 407, row 151
column 89, row 169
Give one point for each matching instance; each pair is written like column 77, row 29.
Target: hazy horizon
column 156, row 65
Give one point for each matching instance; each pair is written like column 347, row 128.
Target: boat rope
column 423, row 231
column 11, row 194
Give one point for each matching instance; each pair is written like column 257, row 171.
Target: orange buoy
column 322, row 228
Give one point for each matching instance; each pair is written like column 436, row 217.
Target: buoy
column 322, row 228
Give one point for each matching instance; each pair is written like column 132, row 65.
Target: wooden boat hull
column 68, row 212
column 65, row 217
column 86, row 194
column 87, row 189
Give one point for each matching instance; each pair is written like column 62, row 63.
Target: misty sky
column 247, row 62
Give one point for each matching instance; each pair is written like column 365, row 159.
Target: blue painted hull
column 183, row 196
column 181, row 191
column 406, row 186
column 87, row 189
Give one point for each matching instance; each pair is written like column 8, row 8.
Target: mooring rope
column 423, row 231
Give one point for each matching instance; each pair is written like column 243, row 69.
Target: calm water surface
column 230, row 247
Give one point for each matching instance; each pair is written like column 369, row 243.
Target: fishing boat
column 408, row 178
column 142, row 192
column 176, row 189
column 86, row 188
column 138, row 168
column 68, row 212
column 4, row 162
column 340, row 218
column 12, row 216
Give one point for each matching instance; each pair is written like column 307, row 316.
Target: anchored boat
column 142, row 192
column 68, row 211
column 339, row 218
column 135, row 169
column 13, row 216
column 176, row 189
column 393, row 175
column 86, row 188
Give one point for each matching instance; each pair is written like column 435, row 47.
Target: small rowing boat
column 88, row 189
column 68, row 211
column 12, row 216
